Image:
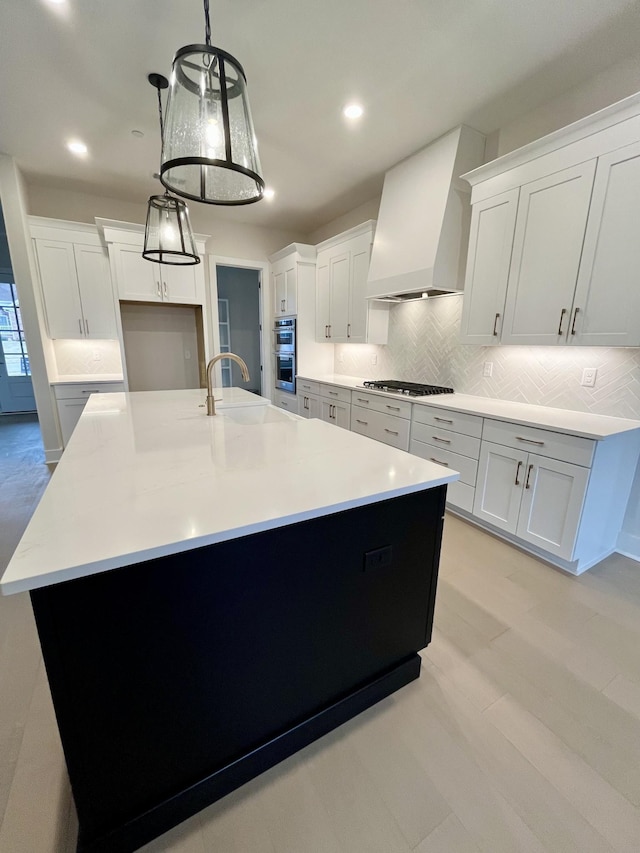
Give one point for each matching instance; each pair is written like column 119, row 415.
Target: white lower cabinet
column 336, row 413
column 388, row 429
column 499, row 487
column 308, row 405
column 285, row 400
column 72, row 398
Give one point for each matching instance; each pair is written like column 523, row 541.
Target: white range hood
column 420, row 245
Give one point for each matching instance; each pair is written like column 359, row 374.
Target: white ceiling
column 420, row 67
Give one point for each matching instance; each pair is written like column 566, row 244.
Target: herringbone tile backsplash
column 424, row 347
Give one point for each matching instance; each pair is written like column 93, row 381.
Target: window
column 12, row 333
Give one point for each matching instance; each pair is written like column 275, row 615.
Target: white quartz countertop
column 149, row 474
column 583, row 424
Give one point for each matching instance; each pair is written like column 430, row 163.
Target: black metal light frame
column 167, row 207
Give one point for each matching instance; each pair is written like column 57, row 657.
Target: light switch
column 374, row 359
column 589, row 376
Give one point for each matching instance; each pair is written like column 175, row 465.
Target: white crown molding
column 358, row 230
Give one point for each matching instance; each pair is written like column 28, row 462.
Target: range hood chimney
column 420, row 245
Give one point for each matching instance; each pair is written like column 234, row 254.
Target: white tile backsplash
column 424, row 347
column 79, row 357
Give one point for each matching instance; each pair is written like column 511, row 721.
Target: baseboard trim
column 52, row 457
column 629, row 546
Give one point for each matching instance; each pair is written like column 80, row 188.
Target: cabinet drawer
column 466, row 467
column 444, row 439
column 334, row 392
column 308, row 386
column 386, row 428
column 289, row 402
column 397, row 408
column 448, row 419
column 82, row 390
column 461, row 495
column 557, row 445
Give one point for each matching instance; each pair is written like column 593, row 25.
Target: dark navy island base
column 177, row 680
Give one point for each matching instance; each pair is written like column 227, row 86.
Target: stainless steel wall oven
column 284, row 348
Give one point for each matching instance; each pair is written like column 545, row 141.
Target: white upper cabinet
column 550, row 228
column 183, row 284
column 575, row 250
column 76, row 288
column 606, row 309
column 285, row 286
column 493, row 223
column 343, row 314
column 140, row 280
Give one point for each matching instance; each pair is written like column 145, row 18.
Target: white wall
column 360, row 214
column 228, row 238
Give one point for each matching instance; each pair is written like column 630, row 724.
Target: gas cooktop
column 409, row 389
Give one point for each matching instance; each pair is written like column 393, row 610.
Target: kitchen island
column 214, row 593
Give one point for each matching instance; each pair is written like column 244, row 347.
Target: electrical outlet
column 589, row 377
column 487, row 370
column 187, row 354
column 374, row 359
column 96, row 355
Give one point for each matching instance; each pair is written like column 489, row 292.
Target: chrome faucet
column 211, row 405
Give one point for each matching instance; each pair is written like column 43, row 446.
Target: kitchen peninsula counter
column 214, row 593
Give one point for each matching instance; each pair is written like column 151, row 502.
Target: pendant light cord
column 161, row 126
column 207, row 23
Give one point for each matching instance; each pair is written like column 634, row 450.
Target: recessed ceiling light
column 77, row 147
column 353, row 111
column 268, row 193
column 57, row 2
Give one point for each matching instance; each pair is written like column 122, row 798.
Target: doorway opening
column 239, row 324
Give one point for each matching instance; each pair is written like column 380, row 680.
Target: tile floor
column 522, row 735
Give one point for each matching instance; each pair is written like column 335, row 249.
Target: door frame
column 262, row 268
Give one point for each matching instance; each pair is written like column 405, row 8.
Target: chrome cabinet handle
column 166, row 292
column 326, row 331
column 530, row 441
column 391, row 431
column 348, row 330
column 394, row 408
column 529, row 470
column 438, row 462
column 562, row 313
column 495, row 326
column 333, row 393
column 442, row 420
column 362, row 400
column 158, row 291
column 364, row 423
column 437, row 438
column 80, row 326
column 86, row 325
column 93, row 391
column 573, row 325
column 518, row 472
column 329, row 329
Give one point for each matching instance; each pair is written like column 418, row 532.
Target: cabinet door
column 180, row 283
column 552, row 504
column 606, row 310
column 342, row 415
column 498, row 494
column 323, row 298
column 69, row 412
column 96, row 293
column 291, row 290
column 138, row 279
column 57, row 265
column 550, row 228
column 339, row 277
column 326, row 411
column 279, row 285
column 358, row 305
column 493, row 224
column 308, row 406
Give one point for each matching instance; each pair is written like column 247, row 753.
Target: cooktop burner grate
column 409, row 389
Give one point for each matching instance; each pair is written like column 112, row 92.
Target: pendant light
column 210, row 151
column 167, row 236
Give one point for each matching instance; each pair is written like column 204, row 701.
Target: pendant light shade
column 167, row 235
column 210, row 150
column 168, row 238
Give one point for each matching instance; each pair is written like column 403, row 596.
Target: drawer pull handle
column 390, row 431
column 442, row 420
column 437, row 438
column 573, row 325
column 562, row 313
column 518, row 472
column 93, row 391
column 364, row 423
column 529, row 470
column 360, row 400
column 333, row 393
column 495, row 326
column 394, row 408
column 530, row 441
column 438, row 462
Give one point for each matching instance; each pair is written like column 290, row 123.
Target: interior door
column 96, row 294
column 551, row 506
column 606, row 310
column 501, row 472
column 16, row 387
column 550, row 229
